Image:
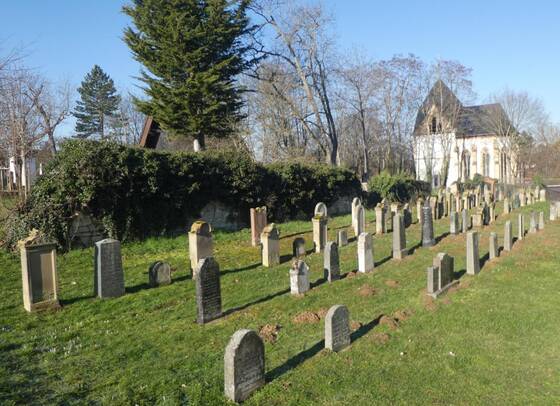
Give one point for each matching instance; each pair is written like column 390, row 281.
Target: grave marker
column 299, row 278
column 208, row 292
column 331, row 262
column 109, row 277
column 159, row 274
column 200, row 243
column 258, row 223
column 427, row 227
column 365, row 253
column 342, row 238
column 298, row 248
column 493, row 249
column 473, row 259
column 399, row 237
column 270, row 242
column 508, row 236
column 337, row 328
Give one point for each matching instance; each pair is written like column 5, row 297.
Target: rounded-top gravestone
column 159, row 274
column 320, row 209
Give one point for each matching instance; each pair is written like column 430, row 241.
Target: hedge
column 136, row 193
column 399, row 187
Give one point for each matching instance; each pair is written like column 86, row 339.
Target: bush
column 135, row 193
column 400, row 187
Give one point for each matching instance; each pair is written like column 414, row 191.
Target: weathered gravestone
column 507, row 206
column 508, row 236
column 379, row 219
column 454, row 223
column 419, row 205
column 365, row 253
column 208, row 292
column 520, row 227
column 533, row 226
column 465, row 221
column 360, row 220
column 427, row 227
column 522, row 199
column 337, row 328
column 331, row 262
column 493, row 249
column 38, row 273
column 407, row 215
column 298, row 248
column 200, row 243
column 319, row 232
column 553, row 213
column 244, row 366
column 270, row 243
column 355, row 203
column 109, row 276
column 478, row 218
column 399, row 237
column 440, row 275
column 320, row 210
column 541, row 220
column 473, row 260
column 258, row 223
column 342, row 238
column 516, row 204
column 299, row 278
column 159, row 274
column 542, row 195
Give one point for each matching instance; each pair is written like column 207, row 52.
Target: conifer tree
column 192, row 52
column 98, row 102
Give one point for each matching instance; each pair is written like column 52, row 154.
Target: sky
column 513, row 43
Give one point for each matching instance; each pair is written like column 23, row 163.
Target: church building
column 453, row 142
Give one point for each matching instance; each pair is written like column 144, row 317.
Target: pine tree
column 98, row 101
column 192, row 52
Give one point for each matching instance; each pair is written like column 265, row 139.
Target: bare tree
column 127, row 123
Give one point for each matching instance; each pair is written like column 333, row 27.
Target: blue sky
column 507, row 43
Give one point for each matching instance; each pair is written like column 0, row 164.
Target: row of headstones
column 244, row 358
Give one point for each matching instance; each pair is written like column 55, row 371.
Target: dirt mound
column 430, row 304
column 355, row 325
column 306, row 317
column 402, row 315
column 380, row 338
column 269, row 332
column 389, row 322
column 392, row 283
column 351, row 275
column 322, row 312
column 366, row 290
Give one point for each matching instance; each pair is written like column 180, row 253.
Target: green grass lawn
column 494, row 339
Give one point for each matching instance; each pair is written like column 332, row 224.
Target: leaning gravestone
column 208, row 292
column 200, row 243
column 342, row 238
column 299, row 278
column 493, row 251
column 270, row 243
column 337, row 328
column 109, row 276
column 399, row 237
column 159, row 274
column 454, row 223
column 244, row 366
column 319, row 232
column 258, row 223
column 38, row 272
column 427, row 227
column 365, row 253
column 473, row 260
column 441, row 275
column 533, row 227
column 298, row 248
column 508, row 236
column 331, row 262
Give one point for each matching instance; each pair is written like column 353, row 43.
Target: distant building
column 464, row 136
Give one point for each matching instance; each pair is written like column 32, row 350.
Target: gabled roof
column 478, row 120
column 150, row 133
column 440, row 95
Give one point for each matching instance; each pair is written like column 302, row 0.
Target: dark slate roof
column 440, row 95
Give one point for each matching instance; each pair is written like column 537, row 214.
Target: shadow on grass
column 295, row 234
column 66, row 302
column 459, row 274
column 366, row 328
column 484, row 260
column 414, row 248
column 441, row 237
column 386, row 259
column 235, row 270
column 256, row 302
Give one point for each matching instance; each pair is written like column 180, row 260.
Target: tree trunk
column 52, row 141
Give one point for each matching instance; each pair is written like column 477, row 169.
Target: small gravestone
column 478, row 218
column 331, row 262
column 342, row 238
column 109, row 276
column 200, row 243
column 465, row 221
column 337, row 328
column 516, row 202
column 533, row 226
column 407, row 215
column 520, row 227
column 208, row 292
column 365, row 253
column 473, row 259
column 320, row 210
column 270, row 245
column 427, row 227
column 541, row 220
column 379, row 220
column 258, row 223
column 419, row 205
column 399, row 237
column 299, row 278
column 355, row 203
column 440, row 275
column 454, row 223
column 298, row 248
column 507, row 206
column 38, row 272
column 508, row 236
column 493, row 251
column 244, row 365
column 319, row 232
column 159, row 274
column 360, row 219
column 553, row 214
column 542, row 195
column 522, row 199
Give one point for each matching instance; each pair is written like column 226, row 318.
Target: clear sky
column 507, row 43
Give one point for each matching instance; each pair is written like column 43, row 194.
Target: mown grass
column 492, row 340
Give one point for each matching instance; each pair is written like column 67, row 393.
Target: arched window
column 434, row 125
column 466, row 165
column 485, row 163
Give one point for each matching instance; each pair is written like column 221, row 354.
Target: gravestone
column 320, row 210
column 298, row 248
column 331, row 262
column 522, row 199
column 507, row 207
column 542, row 195
column 342, row 238
column 533, row 226
column 399, row 237
column 258, row 223
column 427, row 227
column 493, row 250
column 365, row 253
column 454, row 223
column 520, row 227
column 434, row 206
column 379, row 220
column 355, row 203
column 244, row 367
column 477, row 218
column 419, row 205
column 270, row 245
column 299, row 277
column 440, row 275
column 360, row 220
column 208, row 292
column 492, row 212
column 109, row 277
column 553, row 214
column 508, row 236
column 516, row 202
column 319, row 232
column 541, row 220
column 159, row 274
column 337, row 328
column 465, row 221
column 38, row 274
column 200, row 243
column 407, row 215
column 473, row 260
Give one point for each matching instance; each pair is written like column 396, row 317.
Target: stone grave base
column 443, row 290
